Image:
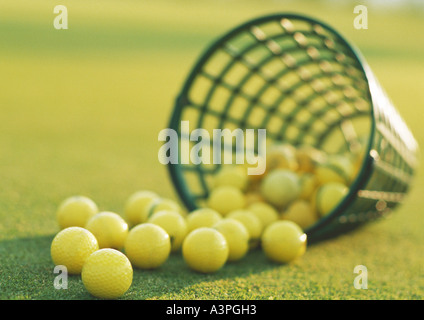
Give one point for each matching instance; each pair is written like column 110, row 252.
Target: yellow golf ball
column 205, row 250
column 75, row 212
column 163, row 204
column 147, row 246
column 328, row 196
column 253, row 197
column 203, row 217
column 136, row 205
column 336, row 168
column 308, row 157
column 71, row 247
column 231, row 175
column 174, row 224
column 109, row 228
column 308, row 184
column 281, row 155
column 252, row 223
column 225, row 199
column 265, row 212
column 302, row 213
column 107, row 274
column 283, row 241
column 280, row 187
column 236, row 235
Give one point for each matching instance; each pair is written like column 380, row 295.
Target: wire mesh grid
column 301, row 81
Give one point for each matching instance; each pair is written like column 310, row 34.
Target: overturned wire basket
column 305, row 84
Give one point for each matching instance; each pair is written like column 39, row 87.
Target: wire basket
column 305, row 84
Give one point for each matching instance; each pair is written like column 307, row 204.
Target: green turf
column 80, row 112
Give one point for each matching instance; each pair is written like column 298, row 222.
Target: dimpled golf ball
column 337, row 168
column 205, row 250
column 163, row 204
column 75, row 212
column 225, row 199
column 147, row 246
column 308, row 157
column 136, row 204
column 237, row 237
column 283, row 241
column 280, row 187
column 253, row 197
column 281, row 155
column 265, row 212
column 203, row 217
column 107, row 274
column 231, row 175
column 71, row 247
column 252, row 223
column 308, row 184
column 328, row 196
column 174, row 224
column 300, row 212
column 109, row 228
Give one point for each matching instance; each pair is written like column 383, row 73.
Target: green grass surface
column 80, row 112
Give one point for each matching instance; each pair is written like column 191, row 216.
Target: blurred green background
column 80, row 111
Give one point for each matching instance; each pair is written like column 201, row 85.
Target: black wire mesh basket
column 305, row 84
